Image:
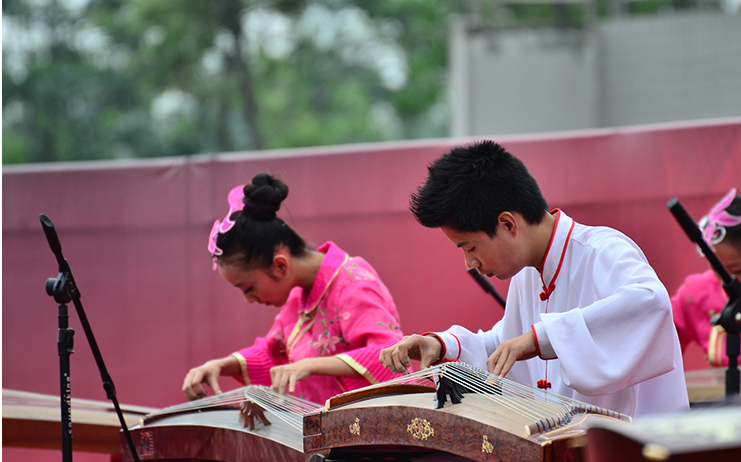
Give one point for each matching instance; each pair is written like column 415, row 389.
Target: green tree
column 139, row 78
column 59, row 103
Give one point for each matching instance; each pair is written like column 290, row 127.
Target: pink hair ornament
column 714, row 224
column 220, row 227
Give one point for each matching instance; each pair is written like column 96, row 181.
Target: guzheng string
column 544, row 410
column 289, row 409
column 285, row 407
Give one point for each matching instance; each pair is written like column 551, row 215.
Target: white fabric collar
column 554, row 254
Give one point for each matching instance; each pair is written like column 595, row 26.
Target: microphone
column 486, row 285
column 51, row 236
column 685, row 221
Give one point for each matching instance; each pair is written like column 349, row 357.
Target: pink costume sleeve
column 700, row 297
column 255, row 361
column 368, row 323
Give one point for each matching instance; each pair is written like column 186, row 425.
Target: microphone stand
column 64, row 290
column 730, row 317
column 486, row 285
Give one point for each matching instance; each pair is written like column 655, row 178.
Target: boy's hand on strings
column 509, row 351
column 425, row 349
column 209, row 374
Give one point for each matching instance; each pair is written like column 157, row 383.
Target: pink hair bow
column 220, row 227
column 714, row 224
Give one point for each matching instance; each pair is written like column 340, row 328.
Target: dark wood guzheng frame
column 401, row 419
column 216, row 436
column 214, row 433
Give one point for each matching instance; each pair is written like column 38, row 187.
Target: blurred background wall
column 619, row 71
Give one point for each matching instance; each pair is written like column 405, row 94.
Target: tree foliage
column 109, row 79
column 106, row 79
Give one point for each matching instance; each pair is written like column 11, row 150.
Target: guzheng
column 217, row 428
column 706, row 385
column 32, row 420
column 496, row 420
column 711, row 433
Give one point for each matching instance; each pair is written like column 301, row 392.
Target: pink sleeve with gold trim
column 256, row 361
column 369, row 323
column 365, row 362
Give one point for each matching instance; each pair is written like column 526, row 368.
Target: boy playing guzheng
column 586, row 316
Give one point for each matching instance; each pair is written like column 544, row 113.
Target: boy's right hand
column 425, row 349
column 509, row 351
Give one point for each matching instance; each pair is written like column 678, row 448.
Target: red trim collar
column 548, row 289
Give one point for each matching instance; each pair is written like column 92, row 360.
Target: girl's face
column 730, row 256
column 264, row 286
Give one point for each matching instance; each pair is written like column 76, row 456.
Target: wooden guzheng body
column 706, row 385
column 497, row 420
column 33, row 420
column 214, row 429
column 699, row 435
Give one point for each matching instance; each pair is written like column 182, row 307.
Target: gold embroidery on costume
column 310, row 315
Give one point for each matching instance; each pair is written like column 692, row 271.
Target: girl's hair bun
column 262, row 198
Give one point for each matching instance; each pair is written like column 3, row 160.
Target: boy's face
column 497, row 256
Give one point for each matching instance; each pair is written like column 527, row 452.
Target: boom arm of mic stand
column 730, row 316
column 486, row 285
column 730, row 284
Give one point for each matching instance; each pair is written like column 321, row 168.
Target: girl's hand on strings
column 209, row 374
column 509, row 351
column 284, row 377
column 425, row 349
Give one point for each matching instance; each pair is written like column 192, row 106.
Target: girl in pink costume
column 701, row 296
column 335, row 313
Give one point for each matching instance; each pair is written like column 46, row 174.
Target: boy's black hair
column 469, row 186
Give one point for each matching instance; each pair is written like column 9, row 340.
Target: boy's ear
column 509, row 222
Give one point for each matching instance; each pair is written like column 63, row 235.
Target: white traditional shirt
column 605, row 326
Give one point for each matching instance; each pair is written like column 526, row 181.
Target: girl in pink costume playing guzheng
column 335, row 313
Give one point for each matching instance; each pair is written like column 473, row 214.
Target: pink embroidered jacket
column 349, row 314
column 699, row 298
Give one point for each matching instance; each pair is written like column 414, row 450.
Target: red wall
column 135, row 235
